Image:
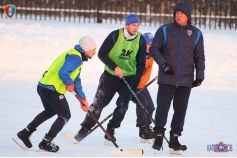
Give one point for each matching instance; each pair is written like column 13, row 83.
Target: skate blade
column 19, row 142
column 149, row 141
column 69, row 137
column 156, row 151
column 176, row 152
column 41, row 150
column 107, row 142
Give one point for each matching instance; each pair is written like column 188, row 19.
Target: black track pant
column 142, row 116
column 180, row 96
column 54, row 103
column 106, row 90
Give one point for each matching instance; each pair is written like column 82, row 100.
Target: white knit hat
column 87, row 43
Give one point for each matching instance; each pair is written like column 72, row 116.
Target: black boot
column 175, row 146
column 48, row 145
column 158, row 142
column 82, row 133
column 110, row 131
column 145, row 132
column 152, row 132
column 24, row 136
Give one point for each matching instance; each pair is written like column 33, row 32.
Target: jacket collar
column 188, row 26
column 80, row 50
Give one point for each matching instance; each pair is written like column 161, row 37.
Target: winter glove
column 70, row 88
column 85, row 106
column 167, row 69
column 197, row 82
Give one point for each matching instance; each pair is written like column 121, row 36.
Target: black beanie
column 185, row 8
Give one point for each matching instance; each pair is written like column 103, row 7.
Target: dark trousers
column 142, row 116
column 54, row 103
column 106, row 90
column 180, row 96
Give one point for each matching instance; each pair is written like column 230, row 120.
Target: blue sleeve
column 199, row 58
column 156, row 45
column 78, row 87
column 71, row 63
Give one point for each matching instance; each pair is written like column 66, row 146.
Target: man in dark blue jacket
column 178, row 49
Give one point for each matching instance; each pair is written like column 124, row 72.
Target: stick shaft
column 147, row 85
column 139, row 102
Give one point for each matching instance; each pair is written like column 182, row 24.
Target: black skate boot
column 174, row 145
column 146, row 134
column 153, row 134
column 157, row 145
column 47, row 144
column 23, row 138
column 110, row 131
column 82, row 133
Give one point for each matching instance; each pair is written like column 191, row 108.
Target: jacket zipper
column 180, row 54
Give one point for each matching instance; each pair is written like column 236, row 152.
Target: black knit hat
column 185, row 8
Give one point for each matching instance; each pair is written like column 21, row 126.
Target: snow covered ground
column 29, row 47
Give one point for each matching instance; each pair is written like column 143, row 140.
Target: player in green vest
column 124, row 54
column 63, row 75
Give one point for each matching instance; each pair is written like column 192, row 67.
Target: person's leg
column 122, row 102
column 48, row 111
column 106, row 90
column 59, row 105
column 140, row 112
column 54, row 103
column 164, row 97
column 122, row 106
column 150, row 106
column 143, row 118
column 180, row 104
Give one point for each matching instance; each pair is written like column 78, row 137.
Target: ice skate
column 47, row 145
column 23, row 138
column 82, row 133
column 157, row 145
column 111, row 132
column 175, row 147
column 146, row 134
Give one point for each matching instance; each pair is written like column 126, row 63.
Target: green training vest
column 124, row 54
column 51, row 77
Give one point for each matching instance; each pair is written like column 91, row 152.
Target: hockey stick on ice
column 94, row 128
column 137, row 151
column 135, row 96
column 105, row 119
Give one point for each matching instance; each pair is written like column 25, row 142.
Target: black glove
column 197, row 82
column 167, row 69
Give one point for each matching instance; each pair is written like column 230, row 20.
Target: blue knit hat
column 148, row 36
column 131, row 19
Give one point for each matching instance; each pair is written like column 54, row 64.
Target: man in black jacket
column 178, row 49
